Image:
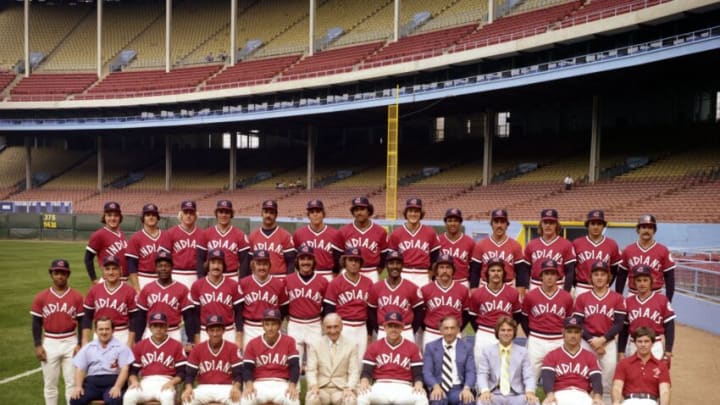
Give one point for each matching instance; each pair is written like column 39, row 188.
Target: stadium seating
column 458, row 13
column 251, row 72
column 331, row 61
column 419, row 46
column 51, row 86
column 599, row 9
column 5, row 79
column 138, row 82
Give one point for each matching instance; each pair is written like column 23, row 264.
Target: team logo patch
column 60, row 263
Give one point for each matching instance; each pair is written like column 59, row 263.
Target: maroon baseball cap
column 595, row 215
column 157, row 318
column 60, row 264
column 549, row 264
column 642, row 271
column 315, row 205
column 112, row 259
column 223, row 205
column 453, row 213
column 216, row 254
column 188, row 206
column 163, row 255
column 361, row 202
column 413, row 203
column 272, row 314
column 393, row 317
column 573, row 323
column 394, row 255
column 496, row 261
column 260, row 254
column 499, row 214
column 549, row 214
column 214, row 320
column 111, row 206
column 353, row 252
column 445, row 258
column 150, row 209
column 270, row 205
column 647, row 219
column 600, row 265
column 305, row 250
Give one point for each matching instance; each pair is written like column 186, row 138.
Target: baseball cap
column 271, row 314
column 548, row 264
column 188, row 206
column 362, row 202
column 112, row 259
column 157, row 318
column 305, row 250
column 499, row 214
column 270, row 205
column 393, row 317
column 60, row 264
column 445, row 258
column 111, row 206
column 600, row 265
column 150, row 209
column 352, row 252
column 496, row 261
column 393, row 255
column 413, row 203
column 315, row 205
column 595, row 215
column 216, row 254
column 647, row 219
column 163, row 256
column 214, row 320
column 260, row 254
column 453, row 212
column 223, row 205
column 639, row 271
column 549, row 214
column 572, row 323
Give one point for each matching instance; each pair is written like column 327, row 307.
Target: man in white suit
column 504, row 372
column 332, row 371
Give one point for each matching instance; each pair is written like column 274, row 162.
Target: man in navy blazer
column 462, row 371
column 520, row 389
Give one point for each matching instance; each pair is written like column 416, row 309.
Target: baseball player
column 306, row 291
column 418, row 244
column 271, row 368
column 326, row 241
column 215, row 294
column 498, row 245
column 224, row 236
column 603, row 313
column 142, row 247
column 648, row 252
column 161, row 361
column 394, row 364
column 260, row 291
column 274, row 240
column 182, row 242
column 168, row 297
column 491, row 301
column 217, row 366
column 571, row 374
column 550, row 245
column 443, row 297
column 594, row 247
column 107, row 241
column 114, row 299
column 632, row 384
column 651, row 309
column 543, row 312
column 395, row 294
column 348, row 295
column 367, row 236
column 455, row 243
column 56, row 311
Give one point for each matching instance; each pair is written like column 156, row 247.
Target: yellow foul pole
column 392, row 159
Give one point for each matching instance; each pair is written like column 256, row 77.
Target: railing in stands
column 702, row 283
column 610, row 12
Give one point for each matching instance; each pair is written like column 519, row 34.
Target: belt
column 642, row 395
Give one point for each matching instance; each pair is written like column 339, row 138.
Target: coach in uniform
column 641, row 379
column 57, row 311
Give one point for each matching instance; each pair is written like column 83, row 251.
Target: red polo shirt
column 642, row 378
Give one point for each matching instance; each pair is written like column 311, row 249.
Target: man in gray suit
column 451, row 383
column 332, row 371
column 511, row 383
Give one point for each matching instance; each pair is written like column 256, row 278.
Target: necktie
column 447, row 379
column 505, row 371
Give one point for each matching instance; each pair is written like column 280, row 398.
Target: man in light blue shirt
column 101, row 367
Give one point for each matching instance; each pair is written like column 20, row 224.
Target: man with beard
column 274, row 240
column 325, row 241
column 226, row 237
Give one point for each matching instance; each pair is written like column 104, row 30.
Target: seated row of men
column 393, row 370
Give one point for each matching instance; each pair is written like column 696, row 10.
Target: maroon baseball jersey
column 508, row 250
column 572, row 371
column 559, row 249
column 105, row 242
column 414, row 246
column 657, row 257
column 258, row 296
column 441, row 302
column 214, row 367
column 170, row 300
column 59, row 312
column 143, row 247
column 372, row 242
column 277, row 244
column 271, row 361
column 402, row 298
column 159, row 359
column 642, row 378
column 116, row 304
column 654, row 312
column 393, row 363
column 350, row 298
column 324, row 243
column 183, row 246
column 305, row 298
column 216, row 299
column 461, row 251
column 599, row 312
column 232, row 242
column 488, row 305
column 546, row 312
column 588, row 252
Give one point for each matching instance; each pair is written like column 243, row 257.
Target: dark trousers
column 452, row 397
column 98, row 387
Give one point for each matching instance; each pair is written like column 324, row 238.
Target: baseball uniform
column 172, row 300
column 142, row 248
column 657, row 257
column 392, row 373
column 221, row 299
column 402, row 298
column 653, row 312
column 216, row 372
column 588, row 252
column 327, row 244
column 256, row 297
column 349, row 300
column 461, row 250
column 416, row 248
column 277, row 243
column 572, row 375
column 441, row 302
column 305, row 305
column 558, row 249
column 183, row 245
column 372, row 242
column 233, row 242
column 509, row 250
column 271, row 372
column 158, row 364
column 117, row 304
column 105, row 242
column 487, row 306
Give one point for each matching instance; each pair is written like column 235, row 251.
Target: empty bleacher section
column 46, row 164
column 121, row 23
column 458, row 13
column 694, row 162
column 151, row 82
column 5, row 79
column 51, row 86
column 419, row 46
column 251, row 72
column 331, row 61
column 598, row 9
